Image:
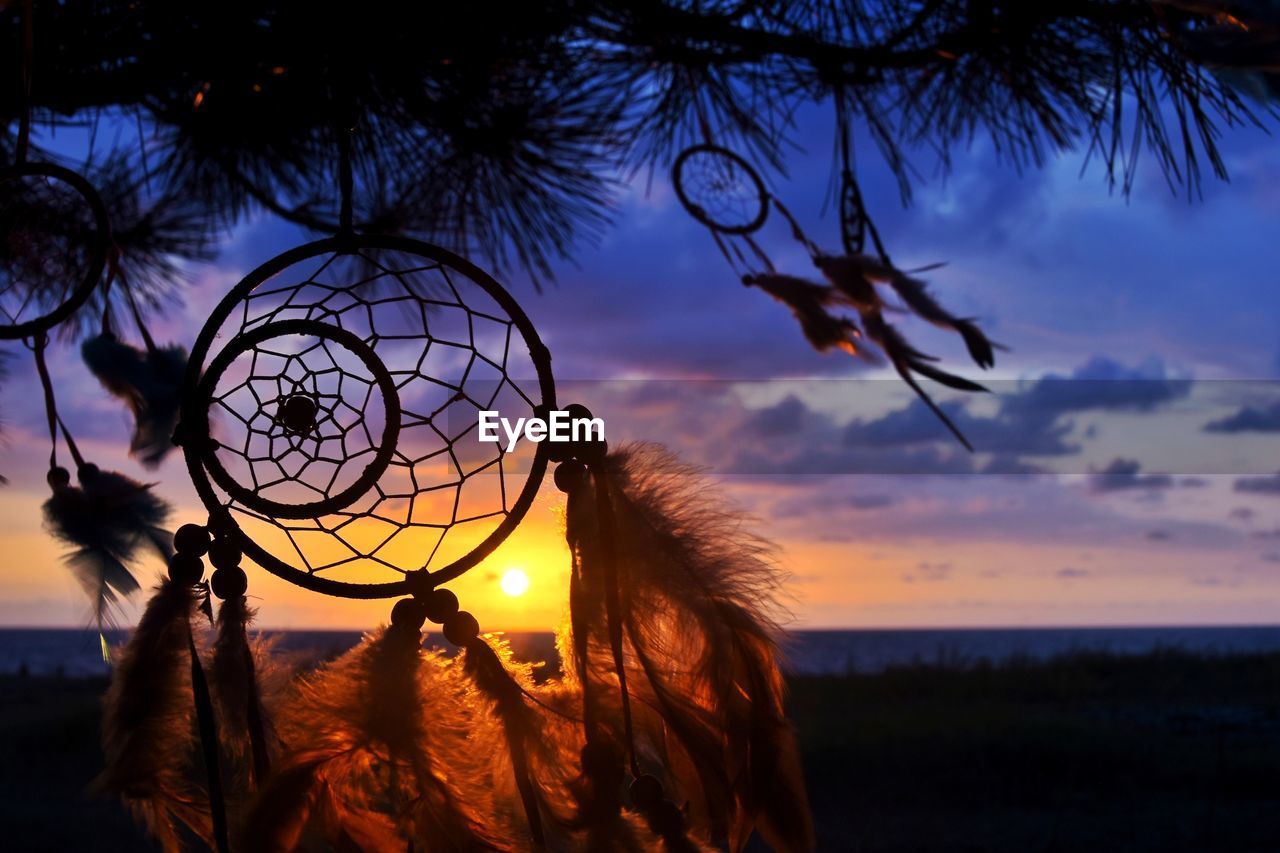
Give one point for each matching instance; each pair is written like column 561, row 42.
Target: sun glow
column 515, row 582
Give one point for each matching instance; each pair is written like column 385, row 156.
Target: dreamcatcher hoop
column 11, row 326
column 203, row 372
column 720, row 189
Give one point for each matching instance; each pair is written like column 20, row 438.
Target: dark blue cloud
column 1268, row 485
column 1123, row 474
column 1005, row 434
column 1248, row 419
column 1102, row 384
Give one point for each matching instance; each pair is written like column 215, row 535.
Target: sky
column 1127, row 461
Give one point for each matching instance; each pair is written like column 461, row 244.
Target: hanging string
column 50, row 406
column 345, row 226
column 28, row 53
column 209, row 746
column 613, row 601
column 71, row 444
column 796, row 231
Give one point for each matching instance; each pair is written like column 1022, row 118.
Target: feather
column 234, row 679
column 377, row 751
column 519, row 726
column 853, row 275
column 130, row 507
column 150, row 384
column 906, row 359
column 105, row 519
column 147, row 722
column 702, row 648
column 808, row 303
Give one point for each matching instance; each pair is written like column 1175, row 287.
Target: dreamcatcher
column 55, row 242
column 329, row 423
column 724, row 193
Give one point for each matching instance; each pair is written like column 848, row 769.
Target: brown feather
column 147, row 722
column 376, row 739
column 699, row 601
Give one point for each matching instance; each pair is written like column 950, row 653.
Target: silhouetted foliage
column 504, row 131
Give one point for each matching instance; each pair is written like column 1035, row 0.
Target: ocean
column 75, row 653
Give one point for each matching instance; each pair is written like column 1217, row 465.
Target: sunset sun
column 515, row 583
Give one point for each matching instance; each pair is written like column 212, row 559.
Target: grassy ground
column 1089, row 752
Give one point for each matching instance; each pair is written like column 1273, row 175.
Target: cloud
column 784, row 418
column 821, row 500
column 1248, row 419
column 928, row 573
column 1122, row 475
column 1004, row 434
column 1268, row 485
column 871, row 501
column 1069, row 573
column 1101, row 384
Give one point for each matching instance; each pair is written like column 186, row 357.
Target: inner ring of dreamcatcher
column 298, row 417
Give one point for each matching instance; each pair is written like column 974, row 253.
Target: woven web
column 451, row 352
column 725, row 193
column 47, row 234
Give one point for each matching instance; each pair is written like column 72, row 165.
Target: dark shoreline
column 1164, row 751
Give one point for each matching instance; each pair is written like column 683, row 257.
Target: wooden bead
column 646, row 791
column 58, row 477
column 225, row 554
column 186, row 569
column 461, row 628
column 570, row 475
column 440, row 604
column 408, row 614
column 192, row 539
column 229, row 582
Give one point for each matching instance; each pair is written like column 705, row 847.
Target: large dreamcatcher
column 725, row 194
column 329, row 421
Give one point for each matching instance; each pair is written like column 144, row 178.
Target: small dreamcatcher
column 726, row 195
column 55, row 243
column 330, row 425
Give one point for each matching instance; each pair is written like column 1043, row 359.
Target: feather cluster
column 378, row 757
column 107, row 519
column 393, row 747
column 852, row 284
column 147, row 722
column 149, row 382
column 701, row 648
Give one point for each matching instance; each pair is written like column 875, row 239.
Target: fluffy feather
column 106, row 519
column 378, row 758
column 808, row 303
column 150, row 384
column 702, row 648
column 235, row 680
column 147, row 722
column 854, row 274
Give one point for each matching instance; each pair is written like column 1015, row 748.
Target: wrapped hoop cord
column 12, row 327
column 325, row 387
column 720, row 189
